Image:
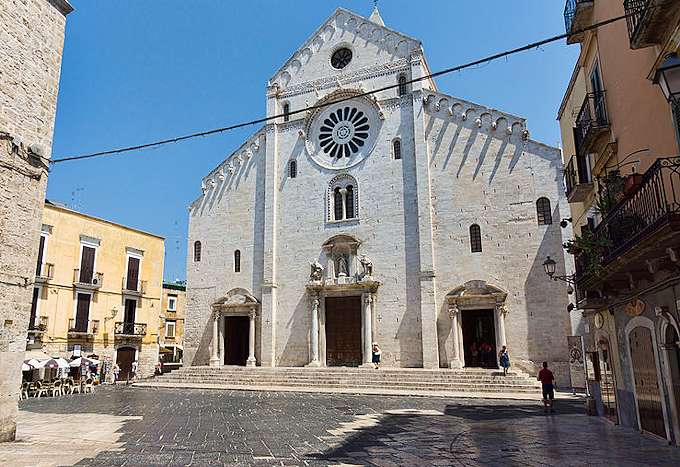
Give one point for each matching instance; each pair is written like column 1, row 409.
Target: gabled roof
column 327, row 23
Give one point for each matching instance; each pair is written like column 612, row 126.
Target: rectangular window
column 170, row 328
column 172, row 303
column 132, row 280
column 82, row 311
column 41, row 254
column 87, row 258
column 34, row 308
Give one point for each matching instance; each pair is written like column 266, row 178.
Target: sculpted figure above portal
column 367, row 266
column 316, row 271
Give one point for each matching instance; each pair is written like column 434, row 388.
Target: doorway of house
column 124, row 358
column 479, row 338
column 647, row 390
column 343, row 331
column 236, row 332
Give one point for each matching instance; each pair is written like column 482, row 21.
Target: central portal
column 236, row 340
column 343, row 331
column 479, row 338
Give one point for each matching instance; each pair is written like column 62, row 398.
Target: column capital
column 502, row 309
column 453, row 310
column 368, row 299
column 252, row 314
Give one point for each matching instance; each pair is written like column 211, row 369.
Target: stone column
column 251, row 361
column 455, row 361
column 214, row 357
column 367, row 331
column 220, row 339
column 501, row 311
column 315, row 334
column 343, row 192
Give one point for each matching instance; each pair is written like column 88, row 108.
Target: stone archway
column 669, row 334
column 237, row 302
column 474, row 296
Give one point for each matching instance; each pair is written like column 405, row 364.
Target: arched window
column 396, row 149
column 475, row 239
column 403, row 87
column 286, row 112
column 349, row 202
column 543, row 211
column 343, row 202
column 237, row 261
column 292, row 169
column 197, row 251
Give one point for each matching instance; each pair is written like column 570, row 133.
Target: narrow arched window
column 197, row 251
column 543, row 211
column 237, row 261
column 337, row 204
column 475, row 239
column 402, row 85
column 292, row 169
column 286, row 112
column 396, row 149
column 349, row 202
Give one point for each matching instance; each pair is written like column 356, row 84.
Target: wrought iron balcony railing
column 87, row 279
column 44, row 272
column 650, row 21
column 129, row 329
column 82, row 326
column 591, row 121
column 643, row 212
column 135, row 287
column 577, row 178
column 576, row 13
column 39, row 325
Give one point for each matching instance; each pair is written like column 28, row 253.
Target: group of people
column 131, row 375
column 482, row 355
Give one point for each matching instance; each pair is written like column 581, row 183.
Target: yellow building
column 171, row 330
column 97, row 290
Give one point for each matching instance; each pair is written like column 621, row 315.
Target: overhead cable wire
column 176, row 139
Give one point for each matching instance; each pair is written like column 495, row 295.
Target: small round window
column 341, row 58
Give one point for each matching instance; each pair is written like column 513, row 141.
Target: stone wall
column 31, row 41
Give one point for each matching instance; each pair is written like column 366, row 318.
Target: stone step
column 515, row 382
column 376, row 378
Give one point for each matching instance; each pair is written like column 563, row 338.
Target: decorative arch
column 342, row 199
column 236, row 297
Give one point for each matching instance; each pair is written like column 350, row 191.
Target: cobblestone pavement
column 199, row 427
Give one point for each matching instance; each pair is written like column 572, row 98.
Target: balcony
column 133, row 287
column 638, row 229
column 649, row 21
column 44, row 273
column 578, row 179
column 578, row 14
column 591, row 122
column 84, row 280
column 82, row 328
column 39, row 326
column 124, row 329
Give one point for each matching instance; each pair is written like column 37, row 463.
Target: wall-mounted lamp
column 549, row 266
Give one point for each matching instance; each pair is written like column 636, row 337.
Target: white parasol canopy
column 52, row 363
column 79, row 361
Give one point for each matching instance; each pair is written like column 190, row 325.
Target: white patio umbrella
column 26, row 367
column 53, row 363
column 79, row 361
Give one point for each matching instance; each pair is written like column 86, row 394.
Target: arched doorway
column 607, row 380
column 124, row 358
column 645, row 374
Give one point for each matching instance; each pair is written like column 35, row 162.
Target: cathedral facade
column 407, row 217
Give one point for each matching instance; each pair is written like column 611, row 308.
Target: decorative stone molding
column 477, row 294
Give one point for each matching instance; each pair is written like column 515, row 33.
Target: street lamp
column 549, row 266
column 668, row 77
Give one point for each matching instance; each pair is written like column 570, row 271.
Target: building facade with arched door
column 366, row 243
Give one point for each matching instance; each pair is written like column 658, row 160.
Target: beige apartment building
column 619, row 120
column 98, row 290
column 171, row 330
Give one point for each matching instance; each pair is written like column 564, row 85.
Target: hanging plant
column 592, row 248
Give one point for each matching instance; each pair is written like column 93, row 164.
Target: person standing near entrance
column 376, row 355
column 116, row 373
column 133, row 373
column 547, row 378
column 504, row 360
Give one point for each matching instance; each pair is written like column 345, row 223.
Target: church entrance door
column 479, row 338
column 343, row 331
column 236, row 340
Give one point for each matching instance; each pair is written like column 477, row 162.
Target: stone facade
column 31, row 42
column 328, row 185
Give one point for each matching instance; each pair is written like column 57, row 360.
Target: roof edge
column 63, row 6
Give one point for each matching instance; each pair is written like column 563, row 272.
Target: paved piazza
column 201, row 427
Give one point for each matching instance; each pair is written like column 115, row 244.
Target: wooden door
column 343, row 331
column 124, row 358
column 646, row 382
column 87, row 265
column 236, row 337
column 132, row 274
column 82, row 311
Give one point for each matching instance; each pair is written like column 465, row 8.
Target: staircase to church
column 471, row 382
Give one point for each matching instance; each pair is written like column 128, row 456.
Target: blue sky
column 135, row 72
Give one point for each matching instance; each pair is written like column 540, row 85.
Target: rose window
column 344, row 132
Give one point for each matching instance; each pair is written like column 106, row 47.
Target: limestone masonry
column 409, row 218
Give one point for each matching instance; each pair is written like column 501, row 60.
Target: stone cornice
column 63, row 6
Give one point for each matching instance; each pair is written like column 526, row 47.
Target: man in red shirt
column 546, row 378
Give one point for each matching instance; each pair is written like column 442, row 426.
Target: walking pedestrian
column 504, row 360
column 133, row 376
column 546, row 377
column 116, row 373
column 376, row 355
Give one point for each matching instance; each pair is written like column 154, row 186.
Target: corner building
column 408, row 217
